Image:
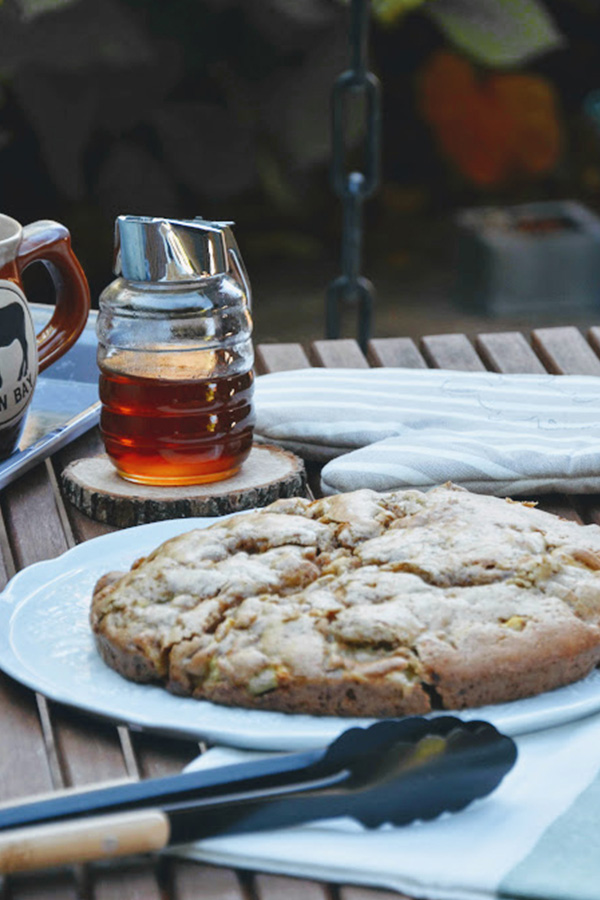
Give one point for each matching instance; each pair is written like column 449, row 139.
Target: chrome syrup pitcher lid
column 165, row 250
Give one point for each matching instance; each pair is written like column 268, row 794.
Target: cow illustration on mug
column 13, row 328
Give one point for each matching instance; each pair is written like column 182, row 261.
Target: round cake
column 361, row 604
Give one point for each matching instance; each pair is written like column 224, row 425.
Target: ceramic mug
column 23, row 353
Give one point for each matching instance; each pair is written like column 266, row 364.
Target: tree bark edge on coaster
column 94, row 487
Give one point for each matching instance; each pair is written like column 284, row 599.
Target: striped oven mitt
column 389, row 428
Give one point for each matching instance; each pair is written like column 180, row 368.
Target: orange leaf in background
column 477, row 142
column 491, row 127
column 446, row 81
column 530, row 101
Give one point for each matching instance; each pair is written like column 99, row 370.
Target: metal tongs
column 394, row 771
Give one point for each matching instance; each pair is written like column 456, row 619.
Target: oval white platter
column 46, row 643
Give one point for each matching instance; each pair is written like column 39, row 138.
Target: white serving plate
column 46, row 643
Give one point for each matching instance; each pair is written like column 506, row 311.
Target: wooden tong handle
column 84, row 840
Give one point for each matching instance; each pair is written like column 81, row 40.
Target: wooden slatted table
column 44, row 746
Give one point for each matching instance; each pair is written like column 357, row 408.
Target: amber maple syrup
column 176, row 432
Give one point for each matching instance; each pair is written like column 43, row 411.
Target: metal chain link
column 350, row 288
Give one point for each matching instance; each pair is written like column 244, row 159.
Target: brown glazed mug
column 23, row 353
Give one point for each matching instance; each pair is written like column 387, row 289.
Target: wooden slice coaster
column 94, row 487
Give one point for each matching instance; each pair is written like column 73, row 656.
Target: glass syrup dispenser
column 175, row 352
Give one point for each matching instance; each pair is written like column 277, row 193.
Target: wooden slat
column 58, row 885
column 7, row 566
column 508, row 352
column 25, row 767
column 593, row 337
column 90, row 444
column 361, row 893
column 89, row 751
column 451, row 351
column 158, row 756
column 402, row 352
column 565, row 351
column 280, row 358
column 126, row 882
column 192, row 881
column 33, row 520
column 276, row 887
column 342, row 354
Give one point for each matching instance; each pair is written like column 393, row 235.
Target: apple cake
column 361, row 604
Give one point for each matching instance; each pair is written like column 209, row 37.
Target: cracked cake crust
column 361, row 604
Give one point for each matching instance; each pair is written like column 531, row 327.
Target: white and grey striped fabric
column 396, row 428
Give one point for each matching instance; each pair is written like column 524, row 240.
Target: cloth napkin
column 393, row 428
column 536, row 836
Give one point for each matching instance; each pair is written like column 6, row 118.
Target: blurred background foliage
column 220, row 108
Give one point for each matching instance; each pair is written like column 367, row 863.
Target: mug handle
column 50, row 243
